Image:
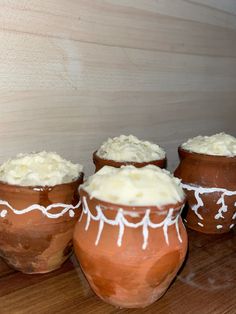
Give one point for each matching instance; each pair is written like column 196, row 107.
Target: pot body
column 210, row 185
column 129, row 255
column 100, row 162
column 36, row 225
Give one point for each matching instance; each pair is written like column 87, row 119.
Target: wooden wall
column 73, row 72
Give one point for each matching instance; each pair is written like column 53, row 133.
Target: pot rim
column 189, row 153
column 39, row 188
column 121, row 163
column 132, row 208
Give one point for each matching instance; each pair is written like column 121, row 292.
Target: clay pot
column 100, row 162
column 36, row 225
column 129, row 260
column 210, row 185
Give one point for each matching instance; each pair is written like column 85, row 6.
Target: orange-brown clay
column 101, row 162
column 37, row 240
column 210, row 185
column 127, row 262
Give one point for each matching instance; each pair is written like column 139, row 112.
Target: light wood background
column 73, row 72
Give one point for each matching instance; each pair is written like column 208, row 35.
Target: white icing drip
column 81, row 216
column 231, row 226
column 3, row 213
column 177, row 229
column 121, row 232
column 122, row 222
column 87, row 222
column 45, row 210
column 199, row 204
column 145, row 231
column 219, row 227
column 71, row 213
column 198, row 190
column 101, row 224
column 200, row 224
column 223, row 208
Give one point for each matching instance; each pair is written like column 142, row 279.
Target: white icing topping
column 130, row 148
column 220, row 144
column 122, row 222
column 43, row 169
column 44, row 210
column 128, row 185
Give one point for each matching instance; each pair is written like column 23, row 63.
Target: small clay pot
column 130, row 255
column 210, row 185
column 36, row 225
column 100, row 162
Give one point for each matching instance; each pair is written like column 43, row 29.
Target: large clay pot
column 130, row 255
column 210, row 185
column 36, row 225
column 101, row 162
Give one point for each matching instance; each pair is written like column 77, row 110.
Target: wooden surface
column 75, row 72
column 206, row 284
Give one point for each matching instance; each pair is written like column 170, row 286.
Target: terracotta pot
column 100, row 162
column 36, row 225
column 210, row 185
column 129, row 260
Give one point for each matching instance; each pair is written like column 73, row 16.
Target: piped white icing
column 122, row 222
column 45, row 210
column 198, row 191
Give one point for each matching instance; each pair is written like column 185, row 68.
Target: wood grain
column 74, row 74
column 206, row 284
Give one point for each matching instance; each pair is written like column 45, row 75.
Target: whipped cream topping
column 132, row 186
column 39, row 169
column 130, row 148
column 220, row 144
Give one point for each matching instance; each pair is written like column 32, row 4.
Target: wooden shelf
column 205, row 284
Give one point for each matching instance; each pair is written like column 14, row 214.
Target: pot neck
column 183, row 154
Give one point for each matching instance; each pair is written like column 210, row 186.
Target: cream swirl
column 220, row 144
column 130, row 148
column 39, row 169
column 147, row 186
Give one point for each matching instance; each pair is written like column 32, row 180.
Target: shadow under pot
column 209, row 182
column 36, row 225
column 129, row 254
column 101, row 162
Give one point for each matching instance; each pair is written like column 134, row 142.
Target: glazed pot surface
column 210, row 185
column 100, row 162
column 36, row 225
column 130, row 255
